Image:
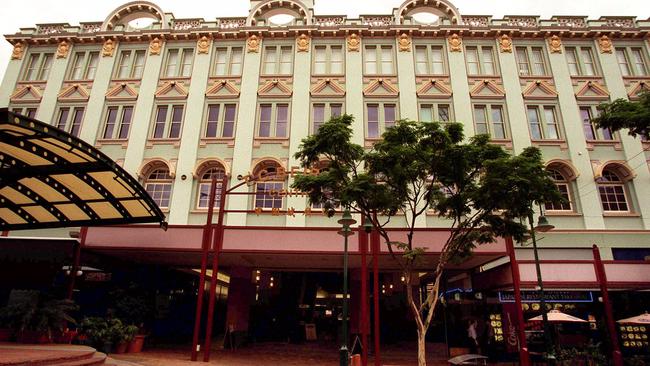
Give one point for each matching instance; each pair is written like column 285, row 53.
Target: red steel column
column 374, row 240
column 205, row 247
column 363, row 248
column 617, row 357
column 216, row 247
column 76, row 258
column 524, row 357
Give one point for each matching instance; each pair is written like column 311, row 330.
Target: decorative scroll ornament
column 605, row 44
column 555, row 43
column 62, row 50
column 108, row 48
column 203, row 44
column 17, row 53
column 455, row 43
column 404, row 43
column 303, row 43
column 353, row 42
column 253, row 43
column 506, row 43
column 155, row 46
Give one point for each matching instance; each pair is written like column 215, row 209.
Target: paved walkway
column 25, row 354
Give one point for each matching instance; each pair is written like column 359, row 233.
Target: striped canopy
column 49, row 178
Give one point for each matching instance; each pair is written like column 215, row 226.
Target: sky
column 27, row 13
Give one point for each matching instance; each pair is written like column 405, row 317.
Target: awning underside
column 49, row 178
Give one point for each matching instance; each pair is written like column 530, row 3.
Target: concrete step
column 97, row 359
column 12, row 354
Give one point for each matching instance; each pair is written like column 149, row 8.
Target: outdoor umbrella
column 556, row 316
column 643, row 319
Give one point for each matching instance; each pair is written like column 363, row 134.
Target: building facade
column 179, row 101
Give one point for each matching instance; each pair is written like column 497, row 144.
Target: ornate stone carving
column 91, row 27
column 155, row 46
column 303, row 43
column 620, row 22
column 523, row 22
column 231, row 23
column 353, row 42
column 253, row 43
column 404, row 43
column 186, row 24
column 50, row 29
column 62, row 50
column 555, row 44
column 476, row 21
column 19, row 50
column 605, row 44
column 108, row 48
column 203, row 45
column 328, row 21
column 377, row 21
column 455, row 43
column 506, row 43
column 573, row 22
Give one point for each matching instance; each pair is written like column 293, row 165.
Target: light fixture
column 367, row 226
column 543, row 225
column 347, row 218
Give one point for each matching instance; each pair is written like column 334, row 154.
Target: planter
column 5, row 334
column 32, row 336
column 107, row 347
column 121, row 347
column 135, row 346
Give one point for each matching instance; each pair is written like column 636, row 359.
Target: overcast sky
column 26, row 13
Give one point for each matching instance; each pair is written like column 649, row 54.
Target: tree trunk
column 422, row 327
column 422, row 351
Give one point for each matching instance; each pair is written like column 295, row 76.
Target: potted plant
column 136, row 344
column 126, row 335
column 36, row 321
column 98, row 333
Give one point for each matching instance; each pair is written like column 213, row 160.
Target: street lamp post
column 542, row 226
column 346, row 221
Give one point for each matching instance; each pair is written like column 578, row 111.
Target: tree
column 623, row 113
column 417, row 166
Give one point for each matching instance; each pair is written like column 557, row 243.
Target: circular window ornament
column 281, row 19
column 425, row 17
column 141, row 23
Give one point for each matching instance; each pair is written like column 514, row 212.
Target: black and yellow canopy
column 49, row 178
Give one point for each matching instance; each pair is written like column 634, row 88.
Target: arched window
column 203, row 197
column 563, row 185
column 612, row 192
column 270, row 183
column 159, row 186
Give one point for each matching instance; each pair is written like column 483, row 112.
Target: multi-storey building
column 179, row 101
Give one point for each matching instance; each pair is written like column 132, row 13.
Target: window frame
column 378, row 59
column 69, row 120
column 274, row 184
column 41, row 73
column 328, row 58
column 597, row 132
column 489, row 120
column 131, row 67
column 577, row 51
column 563, row 182
column 528, row 49
column 85, row 57
column 277, row 64
column 168, row 181
column 381, row 118
column 274, row 119
column 202, row 182
column 435, row 110
column 541, row 109
column 628, row 53
column 481, row 61
column 168, row 121
column 327, row 111
column 182, row 52
column 27, row 108
column 228, row 63
column 118, row 124
column 220, row 120
column 428, row 47
column 620, row 183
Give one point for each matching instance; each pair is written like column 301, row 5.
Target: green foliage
column 622, row 113
column 40, row 313
column 129, row 304
column 590, row 353
column 101, row 330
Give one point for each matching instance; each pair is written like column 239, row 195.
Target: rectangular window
column 480, row 60
column 379, row 117
column 543, row 122
column 273, row 120
column 27, row 112
column 378, row 60
column 531, row 61
column 84, row 65
column 429, row 60
column 612, row 197
column 38, row 66
column 322, row 112
column 168, row 122
column 69, row 119
column 631, row 61
column 179, row 62
column 591, row 132
column 490, row 119
column 228, row 61
column 581, row 61
column 561, row 206
column 118, row 122
column 328, row 59
column 220, row 120
column 278, row 60
column 263, row 196
column 130, row 65
column 435, row 112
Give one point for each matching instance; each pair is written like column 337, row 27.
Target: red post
column 216, row 247
column 76, row 259
column 205, row 247
column 4, row 233
column 617, row 357
column 363, row 249
column 524, row 356
column 374, row 240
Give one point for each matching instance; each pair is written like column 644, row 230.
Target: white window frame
column 528, row 60
column 67, row 122
column 328, row 108
column 228, row 61
column 381, row 116
column 577, row 51
column 489, row 120
column 205, row 183
column 428, row 53
column 167, row 128
column 379, row 62
column 276, row 64
column 481, row 60
column 182, row 54
column 158, row 185
column 543, row 122
column 38, row 66
column 609, row 187
column 30, row 111
column 133, row 69
column 434, row 108
column 83, row 61
column 329, row 60
column 221, row 119
column 119, row 123
column 273, row 127
column 562, row 183
column 599, row 134
column 630, row 61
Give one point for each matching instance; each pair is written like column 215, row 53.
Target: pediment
column 26, row 94
column 74, row 93
column 380, row 88
column 222, row 89
column 172, row 90
column 122, row 92
column 592, row 90
column 274, row 88
column 539, row 89
column 487, row 89
column 327, row 88
column 637, row 89
column 434, row 89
